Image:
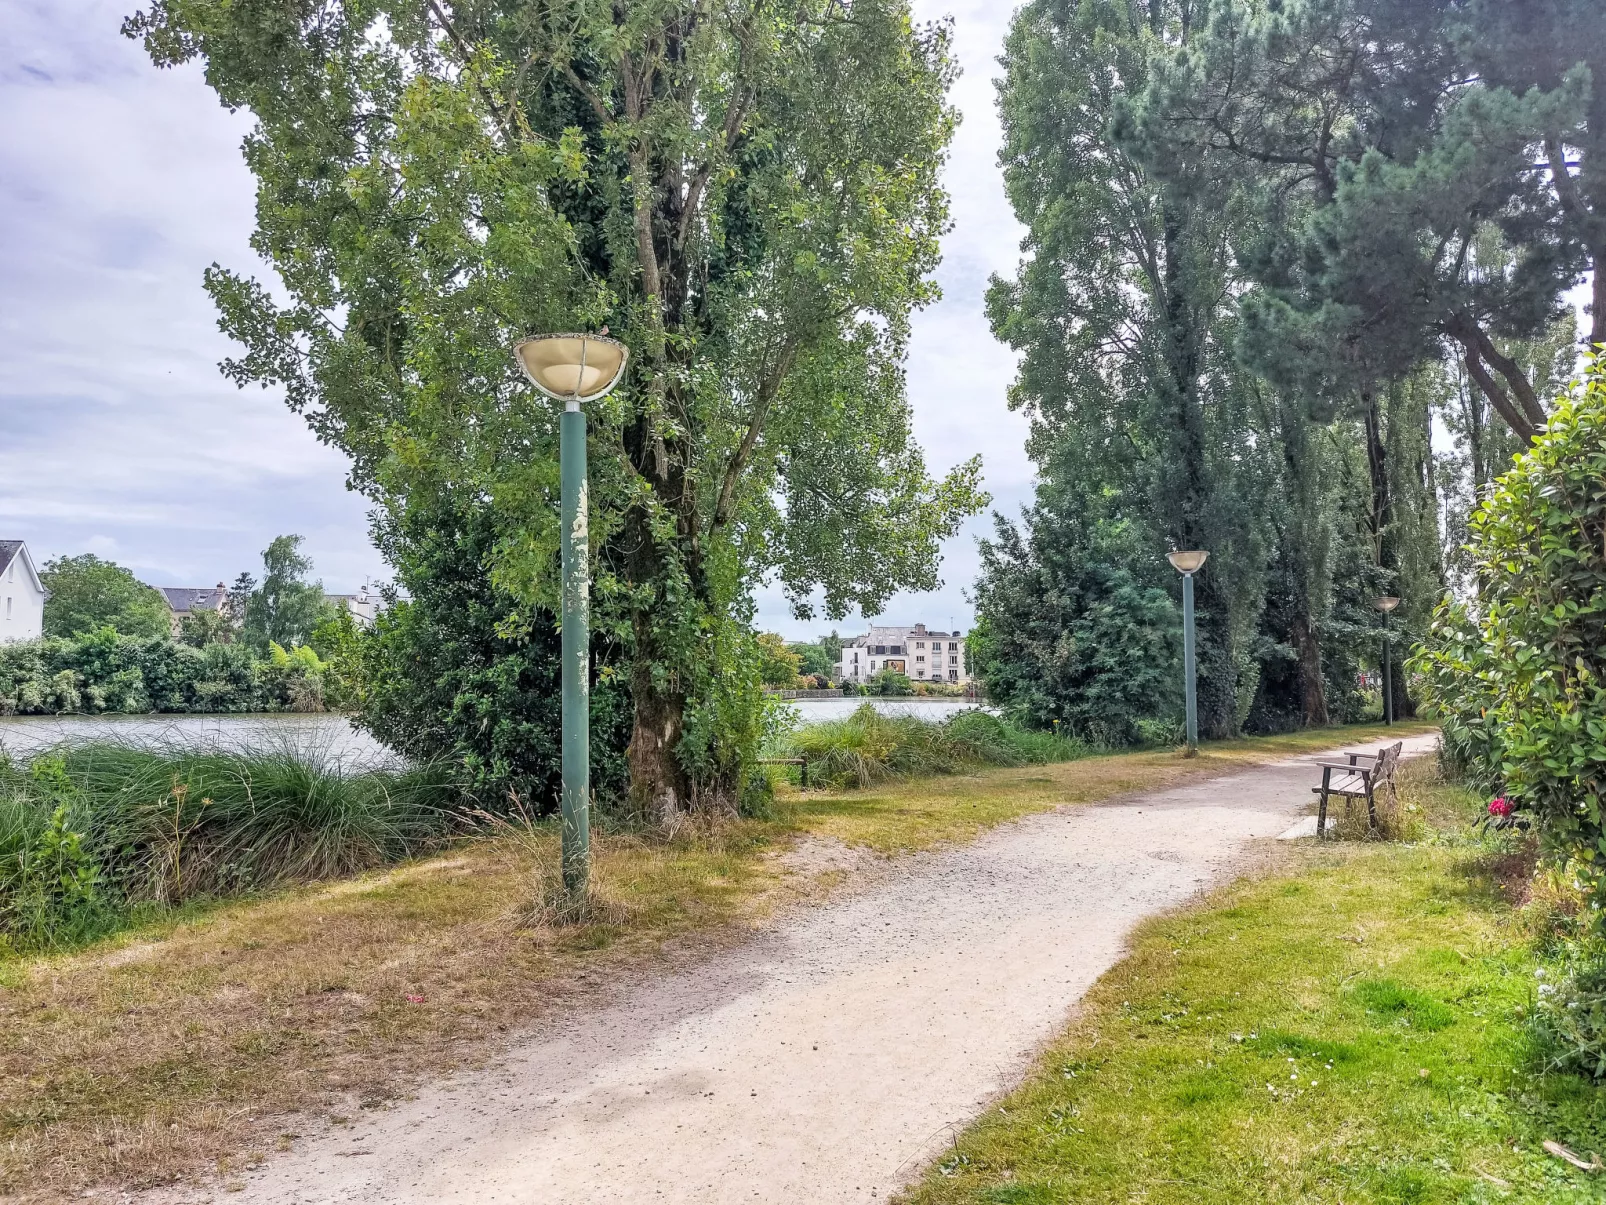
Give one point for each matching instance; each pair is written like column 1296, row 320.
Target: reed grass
column 868, row 747
column 160, row 825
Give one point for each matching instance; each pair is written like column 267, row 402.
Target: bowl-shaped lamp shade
column 1187, row 562
column 1387, row 603
column 572, row 368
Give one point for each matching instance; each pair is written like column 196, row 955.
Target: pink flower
column 415, row 999
column 1499, row 807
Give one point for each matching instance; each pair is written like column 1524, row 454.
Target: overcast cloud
column 119, row 184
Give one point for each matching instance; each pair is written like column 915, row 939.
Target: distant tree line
column 1269, row 245
column 277, row 645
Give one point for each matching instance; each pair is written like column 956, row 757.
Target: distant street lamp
column 1187, row 564
column 1386, row 604
column 574, row 369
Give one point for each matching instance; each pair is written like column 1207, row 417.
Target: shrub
column 868, row 747
column 1521, row 682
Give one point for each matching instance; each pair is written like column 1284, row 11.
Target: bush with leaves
column 1521, row 680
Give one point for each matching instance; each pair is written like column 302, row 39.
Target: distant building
column 184, row 601
column 363, row 605
column 22, row 594
column 919, row 654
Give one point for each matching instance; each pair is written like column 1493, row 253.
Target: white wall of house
column 22, row 594
column 921, row 654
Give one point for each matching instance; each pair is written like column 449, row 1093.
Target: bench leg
column 1371, row 809
column 1321, row 811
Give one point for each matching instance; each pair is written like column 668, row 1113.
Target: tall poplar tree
column 1122, row 310
column 746, row 193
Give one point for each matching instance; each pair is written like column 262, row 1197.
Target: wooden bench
column 1361, row 777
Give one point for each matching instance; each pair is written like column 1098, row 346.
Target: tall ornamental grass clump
column 91, row 834
column 868, row 747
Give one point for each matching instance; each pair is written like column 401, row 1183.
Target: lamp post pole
column 574, row 369
column 1386, row 604
column 1187, row 564
column 1189, row 672
column 576, row 567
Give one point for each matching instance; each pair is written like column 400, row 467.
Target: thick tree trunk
column 659, row 788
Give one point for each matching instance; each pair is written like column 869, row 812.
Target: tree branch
column 1458, row 330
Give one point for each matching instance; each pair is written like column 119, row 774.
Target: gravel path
column 824, row 1061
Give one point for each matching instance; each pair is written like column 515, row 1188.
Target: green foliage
column 821, row 657
column 779, row 665
column 87, row 593
column 105, row 672
column 1069, row 630
column 460, row 671
column 869, row 747
column 889, row 682
column 208, row 626
column 286, row 608
column 755, row 214
column 89, row 833
column 1520, row 679
column 338, row 642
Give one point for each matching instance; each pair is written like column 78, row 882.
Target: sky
column 120, row 184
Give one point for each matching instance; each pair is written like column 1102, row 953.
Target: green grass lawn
column 1346, row 1029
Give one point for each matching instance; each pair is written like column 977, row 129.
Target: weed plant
column 92, row 833
column 868, row 747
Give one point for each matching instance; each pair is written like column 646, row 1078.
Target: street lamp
column 1386, row 604
column 1187, row 564
column 574, row 369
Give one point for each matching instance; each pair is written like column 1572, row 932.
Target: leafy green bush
column 106, row 672
column 90, row 831
column 1520, row 682
column 868, row 747
column 1069, row 628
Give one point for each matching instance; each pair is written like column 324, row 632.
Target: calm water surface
column 334, row 734
column 331, row 733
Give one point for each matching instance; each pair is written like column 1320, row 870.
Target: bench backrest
column 1387, row 761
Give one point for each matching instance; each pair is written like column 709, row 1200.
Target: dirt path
column 824, row 1061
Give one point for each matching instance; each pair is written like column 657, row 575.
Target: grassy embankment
column 168, row 1048
column 1345, row 1028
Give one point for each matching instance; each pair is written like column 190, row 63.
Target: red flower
column 415, row 999
column 1499, row 807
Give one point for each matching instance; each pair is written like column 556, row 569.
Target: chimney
column 920, row 629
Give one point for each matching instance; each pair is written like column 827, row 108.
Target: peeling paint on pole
column 576, row 569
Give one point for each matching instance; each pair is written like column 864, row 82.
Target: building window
column 8, row 606
column 920, row 656
column 953, row 675
column 920, row 644
column 881, row 648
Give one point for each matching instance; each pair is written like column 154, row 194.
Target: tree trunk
column 1312, row 686
column 659, row 788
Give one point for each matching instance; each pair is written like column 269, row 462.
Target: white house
column 919, row 654
column 363, row 605
column 22, row 594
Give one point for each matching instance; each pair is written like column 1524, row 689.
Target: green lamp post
column 574, row 369
column 1386, row 604
column 1187, row 564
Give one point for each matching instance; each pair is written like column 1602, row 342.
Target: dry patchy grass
column 189, row 1044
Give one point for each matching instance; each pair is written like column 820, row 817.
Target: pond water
column 334, row 734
